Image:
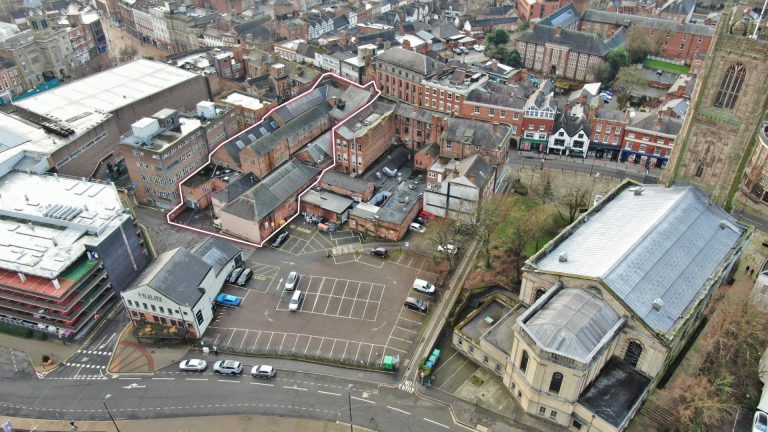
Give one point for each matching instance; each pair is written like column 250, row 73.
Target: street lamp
column 349, row 399
column 106, row 398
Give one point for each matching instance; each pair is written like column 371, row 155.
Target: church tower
column 729, row 104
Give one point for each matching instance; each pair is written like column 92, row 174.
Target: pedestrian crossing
column 85, row 366
column 106, row 353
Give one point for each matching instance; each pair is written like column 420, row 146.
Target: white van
column 423, row 286
column 295, row 303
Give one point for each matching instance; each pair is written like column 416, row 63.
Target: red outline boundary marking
column 298, row 209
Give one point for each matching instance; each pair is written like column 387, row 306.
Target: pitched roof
column 666, row 243
column 475, row 132
column 564, row 17
column 408, row 59
column 342, row 181
column 617, row 19
column 474, row 171
column 572, row 125
column 216, row 252
column 236, row 188
column 578, row 41
column 177, row 274
column 495, row 94
column 660, row 124
column 272, row 191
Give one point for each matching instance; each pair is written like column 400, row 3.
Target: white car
column 296, row 300
column 263, row 371
column 193, row 365
column 292, row 282
column 228, row 367
column 449, row 248
column 417, row 227
column 760, row 422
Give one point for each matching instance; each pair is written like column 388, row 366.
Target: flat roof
column 166, row 138
column 615, row 391
column 244, row 100
column 47, row 220
column 327, row 201
column 478, row 325
column 106, row 91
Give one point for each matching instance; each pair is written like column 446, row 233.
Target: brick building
column 462, row 138
column 555, row 51
column 497, row 103
column 11, row 84
column 673, row 39
column 391, row 219
column 399, row 73
column 416, row 126
column 458, row 186
column 342, row 184
column 362, row 139
column 538, row 118
column 755, row 179
column 607, row 126
column 650, row 140
column 164, row 148
column 249, row 109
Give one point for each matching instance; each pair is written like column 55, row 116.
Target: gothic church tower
column 730, row 97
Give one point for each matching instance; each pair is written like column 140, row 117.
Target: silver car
column 263, row 371
column 292, row 282
column 193, row 365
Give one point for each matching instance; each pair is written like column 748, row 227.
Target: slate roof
column 679, row 7
column 495, row 94
column 420, row 114
column 493, row 21
column 615, row 391
column 478, row 133
column 272, row 191
column 666, row 243
column 255, row 28
column 566, row 17
column 651, row 123
column 617, row 19
column 297, row 106
column 578, row 41
column 236, row 188
column 474, row 171
column 343, row 181
column 263, row 145
column 408, row 59
column 444, row 29
column 216, row 252
column 497, row 10
column 177, row 276
column 572, row 125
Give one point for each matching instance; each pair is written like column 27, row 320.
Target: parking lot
column 305, row 239
column 352, row 310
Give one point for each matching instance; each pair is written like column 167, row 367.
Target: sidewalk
column 188, row 424
column 35, row 349
column 626, row 166
column 130, row 356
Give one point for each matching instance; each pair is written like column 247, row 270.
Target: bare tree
column 542, row 189
column 491, row 212
column 513, row 235
column 544, row 222
column 441, row 233
column 574, row 198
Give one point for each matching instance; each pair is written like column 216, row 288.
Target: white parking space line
column 282, row 342
column 405, row 329
column 363, row 400
column 253, row 348
column 263, row 384
column 270, row 339
column 434, row 422
column 164, row 379
column 343, row 296
column 328, row 393
column 404, row 340
column 196, row 379
column 409, row 320
column 358, row 351
column 398, row 410
column 231, row 336
column 319, row 293
column 445, row 362
column 129, row 378
column 244, row 337
column 345, row 350
column 308, row 342
column 354, row 299
column 229, row 381
column 293, row 387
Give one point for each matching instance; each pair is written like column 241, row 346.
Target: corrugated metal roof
column 662, row 244
column 573, row 323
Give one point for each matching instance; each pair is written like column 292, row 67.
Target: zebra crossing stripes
column 106, row 353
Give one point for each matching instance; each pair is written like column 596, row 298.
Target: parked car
column 228, row 300
column 479, row 48
column 380, row 252
column 263, row 371
column 427, row 215
column 234, row 275
column 417, row 227
column 245, row 276
column 296, row 300
column 420, row 220
column 228, row 367
column 416, row 304
column 760, row 422
column 280, row 239
column 449, row 248
column 464, row 50
column 423, row 286
column 457, row 51
column 292, row 282
column 193, row 365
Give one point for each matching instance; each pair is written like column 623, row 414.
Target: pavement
column 188, row 424
column 591, row 165
column 131, row 356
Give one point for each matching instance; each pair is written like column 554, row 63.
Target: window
column 434, row 92
column 599, row 127
column 618, row 130
column 485, row 359
column 498, row 368
column 576, row 424
column 154, row 309
column 556, row 382
column 457, row 97
column 199, row 316
column 426, row 101
column 434, row 103
column 471, row 349
column 631, row 135
column 162, row 310
column 502, row 113
column 130, row 303
column 642, row 148
column 145, row 306
column 615, row 139
column 633, row 352
column 608, row 129
column 491, row 112
column 539, row 292
column 628, row 146
column 542, row 410
column 553, row 414
column 657, row 151
column 461, row 341
column 515, row 116
column 524, row 361
column 477, row 110
column 731, row 86
column 448, row 145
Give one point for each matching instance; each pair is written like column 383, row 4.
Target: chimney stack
column 558, row 30
column 495, row 127
column 406, row 44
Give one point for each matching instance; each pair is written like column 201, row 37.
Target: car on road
column 760, row 422
column 193, row 365
column 417, row 227
column 416, row 304
column 263, row 371
column 448, row 248
column 245, row 276
column 234, row 275
column 427, row 215
column 292, row 282
column 296, row 300
column 423, row 286
column 380, row 252
column 280, row 239
column 479, row 48
column 228, row 300
column 228, row 367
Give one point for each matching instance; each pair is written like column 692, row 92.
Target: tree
column 638, row 46
column 603, row 73
column 513, row 235
column 514, row 59
column 544, row 221
column 542, row 189
column 498, row 36
column 443, row 232
column 127, row 53
column 626, row 80
column 574, row 198
column 617, row 58
column 491, row 212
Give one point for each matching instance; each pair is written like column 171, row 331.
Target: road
column 605, row 168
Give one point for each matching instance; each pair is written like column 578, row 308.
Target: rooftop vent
column 489, row 320
column 638, row 191
column 657, row 304
column 563, row 257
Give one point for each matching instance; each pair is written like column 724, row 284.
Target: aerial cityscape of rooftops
column 428, row 215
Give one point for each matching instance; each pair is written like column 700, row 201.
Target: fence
column 677, row 62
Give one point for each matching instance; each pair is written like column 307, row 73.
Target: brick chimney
column 406, row 44
column 558, row 30
column 659, row 120
column 495, row 127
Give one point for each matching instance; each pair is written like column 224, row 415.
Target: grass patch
column 666, row 66
column 476, row 381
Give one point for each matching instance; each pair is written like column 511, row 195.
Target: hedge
column 15, row 330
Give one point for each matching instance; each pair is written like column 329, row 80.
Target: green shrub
column 15, row 330
column 519, row 187
column 46, row 358
column 38, row 335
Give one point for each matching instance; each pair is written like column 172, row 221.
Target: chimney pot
column 563, row 257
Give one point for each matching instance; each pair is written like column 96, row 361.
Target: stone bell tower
column 730, row 97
